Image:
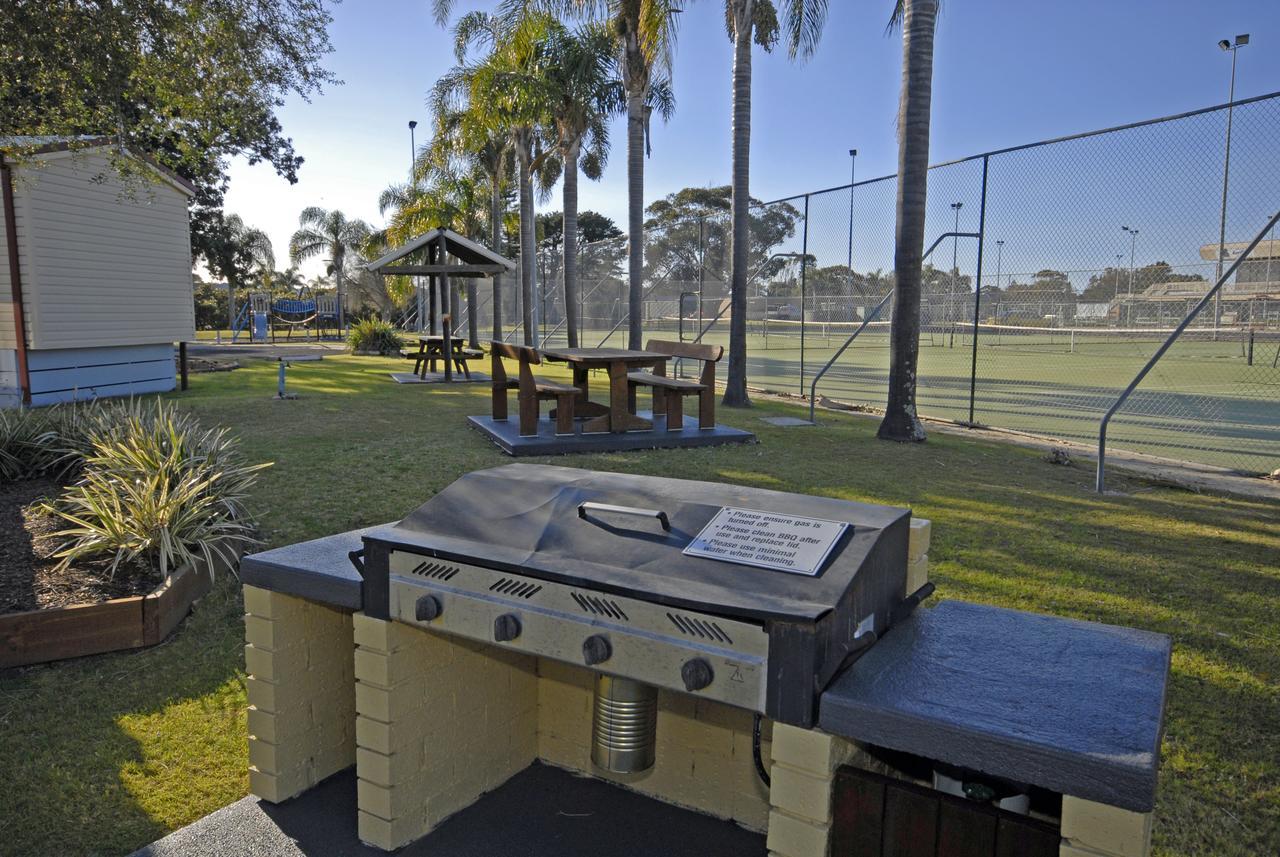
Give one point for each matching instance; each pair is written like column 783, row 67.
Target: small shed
column 95, row 272
column 428, row 255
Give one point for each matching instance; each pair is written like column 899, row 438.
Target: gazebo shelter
column 442, row 255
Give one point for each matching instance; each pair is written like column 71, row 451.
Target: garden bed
column 49, row 613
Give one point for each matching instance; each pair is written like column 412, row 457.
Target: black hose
column 755, row 751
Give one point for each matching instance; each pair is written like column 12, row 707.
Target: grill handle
column 357, row 560
column 585, row 508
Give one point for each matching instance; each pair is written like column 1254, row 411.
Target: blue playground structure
column 263, row 317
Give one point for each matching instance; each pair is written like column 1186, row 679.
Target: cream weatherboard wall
column 106, row 276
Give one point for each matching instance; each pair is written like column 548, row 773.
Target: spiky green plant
column 371, row 334
column 157, row 489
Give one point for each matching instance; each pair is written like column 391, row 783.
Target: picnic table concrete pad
column 1070, row 706
column 540, row 812
column 506, row 435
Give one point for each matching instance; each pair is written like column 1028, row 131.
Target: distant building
column 1258, row 277
column 95, row 272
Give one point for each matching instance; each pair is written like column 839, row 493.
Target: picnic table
column 431, row 347
column 618, row 416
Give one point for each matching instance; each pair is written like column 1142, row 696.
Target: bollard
column 281, row 395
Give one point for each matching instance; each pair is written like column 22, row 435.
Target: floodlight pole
column 955, row 244
column 1234, row 47
column 853, row 166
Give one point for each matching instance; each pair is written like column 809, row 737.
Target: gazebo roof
column 476, row 259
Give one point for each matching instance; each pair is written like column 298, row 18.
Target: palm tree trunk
column 635, row 216
column 495, row 241
column 527, row 257
column 900, row 420
column 570, row 226
column 735, row 392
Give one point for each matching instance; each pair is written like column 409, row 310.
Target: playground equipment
column 264, row 316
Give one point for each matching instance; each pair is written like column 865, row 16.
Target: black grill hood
column 524, row 518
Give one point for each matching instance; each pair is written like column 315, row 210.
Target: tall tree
column 755, row 21
column 917, row 18
column 501, row 92
column 333, row 233
column 239, row 252
column 189, row 83
column 583, row 91
column 644, row 33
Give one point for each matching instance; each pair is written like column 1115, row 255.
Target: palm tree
column 917, row 18
column 328, row 232
column 644, row 33
column 502, row 92
column 754, row 21
column 583, row 92
column 251, row 254
column 488, row 158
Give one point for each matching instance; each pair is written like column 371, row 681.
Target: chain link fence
column 1088, row 250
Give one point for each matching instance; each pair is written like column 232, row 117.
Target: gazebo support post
column 497, row 307
column 447, row 301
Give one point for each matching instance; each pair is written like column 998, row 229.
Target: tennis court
column 1202, row 402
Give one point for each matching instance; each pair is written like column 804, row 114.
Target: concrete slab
column 785, row 421
column 1073, row 707
column 437, row 378
column 506, row 435
column 540, row 812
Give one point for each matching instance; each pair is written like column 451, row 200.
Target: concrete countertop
column 1070, row 706
column 318, row 570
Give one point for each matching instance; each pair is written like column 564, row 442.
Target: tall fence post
column 804, row 259
column 977, row 288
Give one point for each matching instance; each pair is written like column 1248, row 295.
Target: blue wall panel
column 80, row 374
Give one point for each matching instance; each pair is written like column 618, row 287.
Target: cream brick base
column 300, row 688
column 704, row 758
column 804, row 766
column 440, row 721
column 1092, row 829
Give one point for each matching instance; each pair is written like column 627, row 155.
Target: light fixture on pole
column 999, row 259
column 853, row 165
column 1232, row 47
column 1133, row 244
column 413, row 157
column 1119, row 265
column 413, row 148
column 955, row 246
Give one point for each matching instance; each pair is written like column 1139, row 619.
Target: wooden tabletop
column 602, row 355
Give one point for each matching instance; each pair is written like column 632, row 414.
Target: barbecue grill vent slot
column 703, row 628
column 437, row 570
column 597, row 606
column 516, row 588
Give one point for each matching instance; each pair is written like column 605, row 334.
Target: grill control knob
column 596, row 649
column 427, row 608
column 697, row 674
column 506, row 627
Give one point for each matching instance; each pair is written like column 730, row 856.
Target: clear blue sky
column 1005, row 73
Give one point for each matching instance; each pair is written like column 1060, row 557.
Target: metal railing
column 1100, row 481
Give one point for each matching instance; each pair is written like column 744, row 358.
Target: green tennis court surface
column 1202, row 402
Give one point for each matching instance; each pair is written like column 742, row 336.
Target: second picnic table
column 617, row 417
column 431, row 347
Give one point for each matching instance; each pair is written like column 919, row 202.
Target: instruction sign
column 767, row 540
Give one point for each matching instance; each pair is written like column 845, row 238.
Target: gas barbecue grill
column 587, row 568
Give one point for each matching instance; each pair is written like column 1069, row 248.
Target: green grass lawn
column 105, row 754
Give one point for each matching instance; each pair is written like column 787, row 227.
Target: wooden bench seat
column 669, row 393
column 530, row 390
column 648, row 379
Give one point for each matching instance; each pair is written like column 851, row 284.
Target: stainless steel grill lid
column 524, row 518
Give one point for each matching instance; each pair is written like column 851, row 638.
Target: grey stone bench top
column 318, row 570
column 1073, row 707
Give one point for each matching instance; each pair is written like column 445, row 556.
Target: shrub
column 372, row 334
column 156, row 488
